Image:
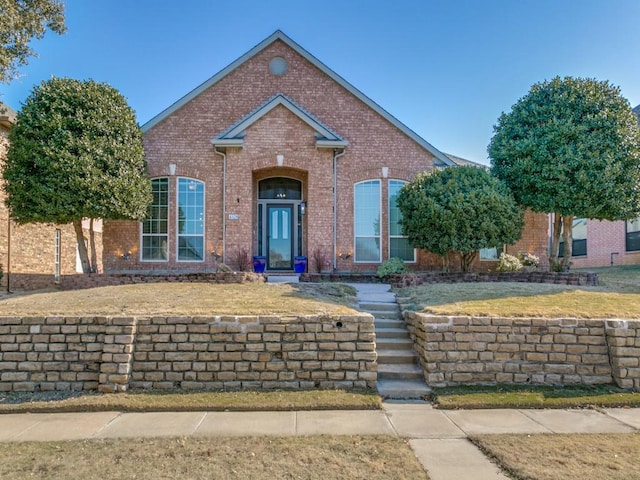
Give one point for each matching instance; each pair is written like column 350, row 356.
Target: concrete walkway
column 438, row 437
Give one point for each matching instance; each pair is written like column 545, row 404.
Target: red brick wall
column 603, row 239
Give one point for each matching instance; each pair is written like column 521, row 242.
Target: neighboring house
column 37, row 255
column 277, row 155
column 600, row 243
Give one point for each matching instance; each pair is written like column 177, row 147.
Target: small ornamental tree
column 76, row 152
column 459, row 209
column 570, row 147
column 20, row 22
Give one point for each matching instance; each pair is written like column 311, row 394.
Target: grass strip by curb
column 526, row 396
column 194, row 401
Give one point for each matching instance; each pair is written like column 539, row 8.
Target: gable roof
column 234, row 135
column 278, row 35
column 464, row 162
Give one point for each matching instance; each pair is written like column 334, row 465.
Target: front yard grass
column 160, row 299
column 313, row 457
column 617, row 296
column 528, row 396
column 565, row 457
column 59, row 402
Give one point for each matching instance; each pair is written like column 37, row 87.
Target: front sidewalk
column 438, row 437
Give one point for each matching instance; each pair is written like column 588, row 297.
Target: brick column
column 624, row 351
column 117, row 354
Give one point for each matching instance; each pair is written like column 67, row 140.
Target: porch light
column 126, row 256
column 303, row 208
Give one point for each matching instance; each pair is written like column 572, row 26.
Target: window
column 579, row 239
column 633, row 234
column 155, row 227
column 367, row 221
column 399, row 245
column 190, row 220
column 56, row 259
column 488, row 254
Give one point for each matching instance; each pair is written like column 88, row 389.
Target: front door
column 280, row 236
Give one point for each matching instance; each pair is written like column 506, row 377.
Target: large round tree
column 76, row 152
column 570, row 147
column 459, row 209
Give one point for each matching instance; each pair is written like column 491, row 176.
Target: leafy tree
column 76, row 152
column 570, row 147
column 20, row 22
column 459, row 209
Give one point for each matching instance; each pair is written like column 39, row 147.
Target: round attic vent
column 278, row 66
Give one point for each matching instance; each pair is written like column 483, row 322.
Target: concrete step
column 400, row 371
column 388, row 355
column 385, row 315
column 392, row 333
column 379, row 306
column 388, row 323
column 393, row 343
column 403, row 389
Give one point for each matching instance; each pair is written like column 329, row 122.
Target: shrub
column 243, row 260
column 528, row 259
column 508, row 263
column 320, row 260
column 393, row 266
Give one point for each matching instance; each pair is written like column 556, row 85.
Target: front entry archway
column 279, row 222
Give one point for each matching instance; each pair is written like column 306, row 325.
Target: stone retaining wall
column 92, row 280
column 456, row 350
column 113, row 354
column 534, row 276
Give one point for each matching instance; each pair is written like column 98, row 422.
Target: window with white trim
column 399, row 245
column 633, row 234
column 155, row 235
column 190, row 220
column 367, row 221
column 57, row 256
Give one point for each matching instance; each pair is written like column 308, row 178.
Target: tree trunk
column 82, row 246
column 555, row 240
column 445, row 262
column 92, row 242
column 466, row 260
column 567, row 237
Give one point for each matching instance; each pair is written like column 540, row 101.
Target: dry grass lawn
column 565, row 457
column 319, row 457
column 45, row 402
column 618, row 296
column 186, row 299
column 533, row 396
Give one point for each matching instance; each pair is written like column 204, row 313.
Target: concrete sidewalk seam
column 106, row 425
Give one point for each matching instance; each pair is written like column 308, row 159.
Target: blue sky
column 445, row 68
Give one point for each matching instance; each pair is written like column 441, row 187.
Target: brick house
column 278, row 156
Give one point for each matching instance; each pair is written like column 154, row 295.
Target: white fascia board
column 228, row 142
column 324, row 143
